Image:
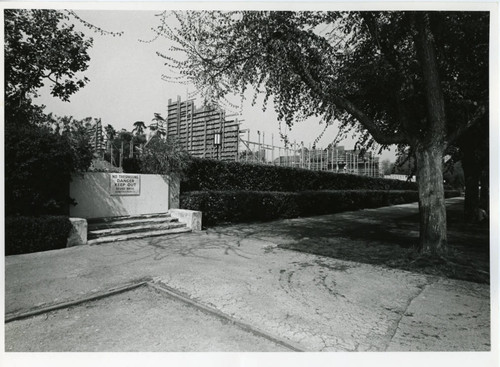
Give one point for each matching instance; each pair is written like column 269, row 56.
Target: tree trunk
column 431, row 200
column 484, row 196
column 430, row 146
column 472, row 174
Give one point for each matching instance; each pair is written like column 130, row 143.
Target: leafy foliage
column 130, row 142
column 158, row 125
column 24, row 235
column 393, row 77
column 208, row 175
column 330, row 64
column 39, row 162
column 110, row 132
column 246, row 206
column 139, row 128
column 38, row 166
column 41, row 46
column 75, row 132
column 163, row 157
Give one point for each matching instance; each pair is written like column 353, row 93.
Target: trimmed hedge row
column 213, row 175
column 246, row 206
column 24, row 235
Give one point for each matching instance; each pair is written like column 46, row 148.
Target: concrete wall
column 94, row 197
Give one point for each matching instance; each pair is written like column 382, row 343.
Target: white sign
column 122, row 184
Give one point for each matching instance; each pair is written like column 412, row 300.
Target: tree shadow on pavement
column 380, row 238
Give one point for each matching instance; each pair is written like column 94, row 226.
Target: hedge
column 213, row 175
column 33, row 234
column 38, row 168
column 247, row 206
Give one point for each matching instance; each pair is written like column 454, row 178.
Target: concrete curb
column 160, row 287
column 175, row 294
column 23, row 315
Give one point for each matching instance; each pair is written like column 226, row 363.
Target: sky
column 126, row 85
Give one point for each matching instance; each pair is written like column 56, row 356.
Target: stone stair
column 111, row 229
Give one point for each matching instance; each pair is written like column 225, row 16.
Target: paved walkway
column 303, row 301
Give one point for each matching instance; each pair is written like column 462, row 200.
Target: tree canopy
column 41, row 152
column 40, row 47
column 363, row 69
column 139, row 127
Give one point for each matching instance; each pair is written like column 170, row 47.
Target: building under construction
column 204, row 132
column 207, row 132
column 333, row 158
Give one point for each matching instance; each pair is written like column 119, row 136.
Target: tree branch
column 382, row 137
column 478, row 114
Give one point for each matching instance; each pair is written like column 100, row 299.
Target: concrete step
column 112, row 229
column 144, row 227
column 127, row 217
column 137, row 235
column 128, row 222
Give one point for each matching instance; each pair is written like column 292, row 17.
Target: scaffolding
column 207, row 132
column 332, row 158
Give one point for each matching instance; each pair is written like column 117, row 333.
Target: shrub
column 212, row 175
column 245, row 206
column 32, row 234
column 38, row 167
column 163, row 157
column 131, row 165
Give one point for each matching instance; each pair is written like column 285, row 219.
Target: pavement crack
column 394, row 329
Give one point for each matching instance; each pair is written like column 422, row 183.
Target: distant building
column 204, row 132
column 335, row 159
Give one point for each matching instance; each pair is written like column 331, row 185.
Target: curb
column 127, row 287
column 175, row 294
column 160, row 287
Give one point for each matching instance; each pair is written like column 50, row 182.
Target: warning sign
column 124, row 184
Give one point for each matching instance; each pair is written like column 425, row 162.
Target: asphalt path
column 233, row 289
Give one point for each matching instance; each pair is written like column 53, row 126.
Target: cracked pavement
column 310, row 301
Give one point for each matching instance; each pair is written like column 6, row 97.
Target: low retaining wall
column 78, row 234
column 192, row 218
column 100, row 194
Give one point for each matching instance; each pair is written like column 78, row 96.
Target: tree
column 38, row 168
column 123, row 140
column 110, row 132
column 474, row 156
column 387, row 167
column 405, row 163
column 158, row 125
column 454, row 175
column 75, row 133
column 164, row 157
column 139, row 127
column 395, row 77
column 41, row 47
